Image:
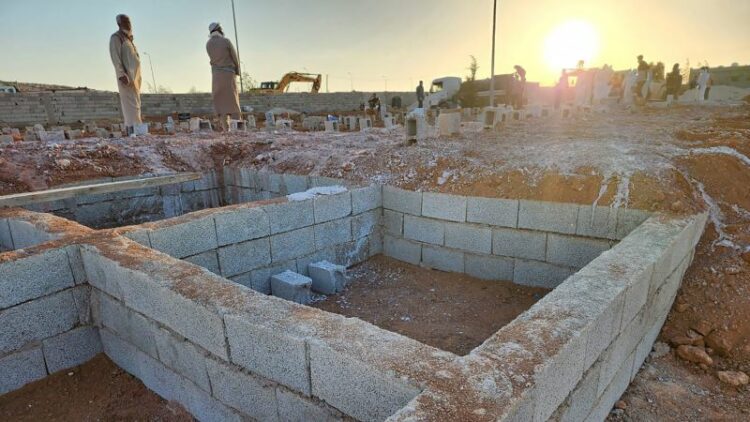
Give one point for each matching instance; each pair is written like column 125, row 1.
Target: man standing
column 225, row 67
column 127, row 65
column 643, row 69
column 420, row 94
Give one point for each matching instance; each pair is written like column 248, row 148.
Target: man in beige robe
column 225, row 67
column 127, row 65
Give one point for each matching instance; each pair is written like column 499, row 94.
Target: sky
column 365, row 45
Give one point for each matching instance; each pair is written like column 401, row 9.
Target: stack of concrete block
column 313, row 123
column 327, row 278
column 292, row 286
column 365, row 123
column 331, row 126
column 449, row 123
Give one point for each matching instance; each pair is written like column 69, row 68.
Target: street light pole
column 492, row 76
column 237, row 43
column 151, row 65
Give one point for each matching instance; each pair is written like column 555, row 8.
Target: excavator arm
column 299, row 77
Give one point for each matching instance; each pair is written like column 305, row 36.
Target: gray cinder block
column 332, row 207
column 182, row 357
column 185, row 239
column 573, row 251
column 424, row 230
column 327, row 278
column 38, row 275
column 492, row 211
column 244, row 257
column 365, row 224
column 292, row 286
column 260, row 279
column 468, row 237
column 393, row 222
column 71, row 348
column 548, row 216
column 443, row 259
column 294, row 244
column 241, row 225
column 37, row 320
column 444, row 207
column 366, row 199
column 295, row 408
column 288, row 216
column 250, row 395
column 519, row 243
column 21, row 368
column 600, row 222
column 333, row 233
column 26, row 234
column 271, row 353
column 294, row 183
column 539, row 274
column 403, row 250
column 208, row 260
column 487, row 267
column 628, row 219
column 404, row 201
column 6, row 241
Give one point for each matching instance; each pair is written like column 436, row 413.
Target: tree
column 248, row 82
column 468, row 93
column 473, row 67
column 161, row 89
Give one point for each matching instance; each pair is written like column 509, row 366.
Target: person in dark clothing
column 520, row 87
column 420, row 94
column 643, row 69
column 674, row 81
column 374, row 103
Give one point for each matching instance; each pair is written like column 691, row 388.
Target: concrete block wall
column 21, row 109
column 527, row 242
column 45, row 322
column 248, row 243
column 138, row 205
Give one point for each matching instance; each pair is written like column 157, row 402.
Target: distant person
column 520, row 91
column 561, row 89
column 225, row 67
column 127, row 65
column 674, row 82
column 703, row 84
column 374, row 103
column 420, row 94
column 643, row 69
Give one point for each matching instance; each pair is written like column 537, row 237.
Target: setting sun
column 570, row 42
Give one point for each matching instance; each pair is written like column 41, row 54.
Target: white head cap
column 214, row 26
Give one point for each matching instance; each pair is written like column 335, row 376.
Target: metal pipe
column 492, row 76
column 153, row 78
column 237, row 43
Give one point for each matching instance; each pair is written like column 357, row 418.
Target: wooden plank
column 26, row 198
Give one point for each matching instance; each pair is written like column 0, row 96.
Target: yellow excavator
column 282, row 86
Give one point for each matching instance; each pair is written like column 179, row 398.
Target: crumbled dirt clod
column 694, row 354
column 733, row 378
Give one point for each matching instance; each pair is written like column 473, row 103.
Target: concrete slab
column 292, row 286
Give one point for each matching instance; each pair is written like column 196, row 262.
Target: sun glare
column 570, row 42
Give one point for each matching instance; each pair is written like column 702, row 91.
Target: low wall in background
column 68, row 107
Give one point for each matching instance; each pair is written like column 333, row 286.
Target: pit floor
column 449, row 311
column 98, row 390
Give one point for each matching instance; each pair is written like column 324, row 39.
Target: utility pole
column 153, row 78
column 492, row 75
column 237, row 43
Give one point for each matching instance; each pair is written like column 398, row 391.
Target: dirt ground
column 679, row 159
column 95, row 391
column 453, row 312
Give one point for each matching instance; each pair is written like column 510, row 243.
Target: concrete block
column 293, row 244
column 600, row 222
column 332, row 207
column 468, row 237
column 366, row 199
column 393, row 222
column 21, row 368
column 241, row 225
column 182, row 357
column 327, row 278
column 82, row 300
column 294, row 183
column 290, row 215
column 519, row 243
column 318, row 181
column 582, row 398
column 76, row 264
column 356, row 389
column 292, row 286
column 495, row 212
column 403, row 250
column 636, row 296
column 487, row 267
column 71, row 348
column 295, row 408
column 539, row 274
column 404, row 201
column 613, row 392
column 270, row 353
column 424, row 230
column 127, row 324
column 628, row 219
column 443, row 259
column 548, row 216
column 333, row 233
column 621, row 349
column 573, row 251
column 37, row 320
column 260, row 279
column 208, row 260
column 366, row 223
column 243, row 257
column 26, row 234
column 250, row 395
column 6, row 241
column 444, row 207
column 34, row 276
column 186, row 239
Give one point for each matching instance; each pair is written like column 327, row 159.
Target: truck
column 442, row 93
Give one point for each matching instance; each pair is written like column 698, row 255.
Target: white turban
column 214, row 26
